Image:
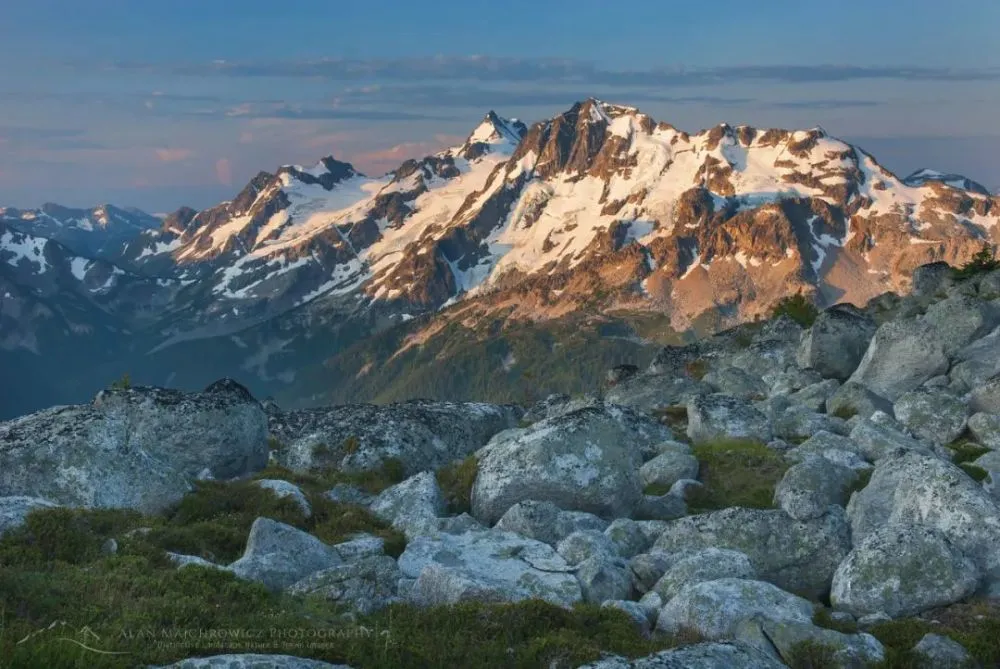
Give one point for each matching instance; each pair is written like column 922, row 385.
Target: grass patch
column 845, row 412
column 455, row 481
column 656, row 489
column 129, row 606
column 977, row 474
column 811, row 655
column 797, row 307
column 374, row 481
column 736, row 473
column 823, row 618
column 965, row 450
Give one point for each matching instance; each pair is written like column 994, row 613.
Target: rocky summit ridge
column 598, row 210
column 781, row 487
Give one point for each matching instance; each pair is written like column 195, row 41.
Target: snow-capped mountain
column 598, row 209
column 100, row 232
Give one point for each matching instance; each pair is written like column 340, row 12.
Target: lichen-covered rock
column 344, row 493
column 421, row 434
column 808, row 489
column 709, row 564
column 715, row 609
column 799, row 556
column 586, row 460
column 660, row 507
column 932, row 415
column 854, row 399
column 413, row 506
column 917, row 489
column 652, row 392
column 284, row 489
column 977, row 362
column 724, row 655
column 798, row 422
column 668, row 468
column 648, row 568
column 546, row 522
column 251, row 661
column 837, row 449
column 959, row 320
column 876, row 442
column 360, row 546
column 584, row 544
column 793, row 380
column 934, row 651
column 985, row 398
column 714, row 417
column 836, row 342
column 14, row 510
column 135, row 448
column 816, row 395
column 363, row 586
column 985, row 427
column 902, row 355
column 931, row 279
column 280, row 555
column 180, row 561
column 628, row 536
column 783, row 639
column 486, row 566
column 603, row 578
column 902, row 570
column 737, row 383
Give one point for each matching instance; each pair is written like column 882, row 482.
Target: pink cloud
column 173, row 155
column 246, row 137
column 224, row 171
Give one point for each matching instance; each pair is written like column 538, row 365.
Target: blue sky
column 159, row 104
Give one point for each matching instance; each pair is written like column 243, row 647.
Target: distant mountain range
column 598, row 214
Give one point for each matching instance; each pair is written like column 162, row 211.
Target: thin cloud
column 826, row 104
column 224, row 171
column 173, row 155
column 548, row 70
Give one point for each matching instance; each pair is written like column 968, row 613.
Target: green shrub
column 334, row 523
column 456, row 481
column 822, row 618
column 656, row 489
column 736, row 473
column 797, row 307
column 74, row 536
column 811, row 655
column 123, row 383
column 351, row 445
column 983, row 262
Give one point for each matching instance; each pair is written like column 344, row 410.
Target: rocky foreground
column 777, row 495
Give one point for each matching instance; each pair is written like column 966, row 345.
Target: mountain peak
column 494, row 132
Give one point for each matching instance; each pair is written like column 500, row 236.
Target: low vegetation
column 797, row 307
column 983, row 262
column 455, row 481
column 736, row 473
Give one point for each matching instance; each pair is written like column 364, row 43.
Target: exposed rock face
column 139, row 448
column 836, row 342
column 365, row 585
column 809, row 488
column 919, row 489
column 412, row 506
column 14, row 510
column 799, row 556
column 546, row 522
column 854, row 399
column 421, row 434
column 714, row 417
column 783, row 639
column 935, row 416
column 934, row 651
column 902, row 355
column 586, row 460
column 709, row 564
column 486, row 566
column 716, row 608
column 903, row 570
column 280, row 555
